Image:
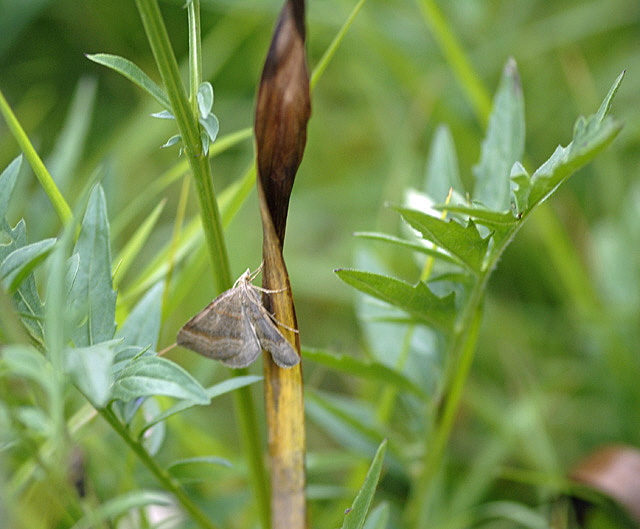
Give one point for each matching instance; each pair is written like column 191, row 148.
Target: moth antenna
column 277, row 322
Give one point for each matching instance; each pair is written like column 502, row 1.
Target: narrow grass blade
column 356, row 515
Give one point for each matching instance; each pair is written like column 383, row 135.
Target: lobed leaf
column 132, row 72
column 417, row 300
column 397, row 241
column 91, row 293
column 590, row 136
column 484, row 216
column 356, row 515
column 26, row 297
column 20, row 263
column 462, row 242
column 153, row 375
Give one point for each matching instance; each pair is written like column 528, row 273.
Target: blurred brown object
column 613, row 470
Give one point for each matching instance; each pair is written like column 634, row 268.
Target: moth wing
column 271, row 339
column 218, row 331
column 249, row 351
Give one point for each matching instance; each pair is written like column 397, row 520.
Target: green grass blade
column 356, row 515
column 131, row 250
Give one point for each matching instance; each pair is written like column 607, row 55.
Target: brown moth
column 235, row 327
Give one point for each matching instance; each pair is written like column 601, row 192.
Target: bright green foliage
column 499, row 170
column 91, row 295
column 417, row 299
column 132, row 72
column 461, row 242
column 474, row 235
column 153, row 375
column 355, row 516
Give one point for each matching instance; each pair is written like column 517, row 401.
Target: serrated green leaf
column 356, row 515
column 442, row 173
column 92, row 294
column 205, row 99
column 417, row 300
column 212, row 392
column 503, row 144
column 120, row 505
column 19, row 263
column 211, row 125
column 90, row 370
column 153, row 375
column 364, row 369
column 142, row 327
column 480, row 214
column 462, row 242
column 592, row 139
column 132, row 72
column 383, row 237
column 26, row 298
column 8, row 180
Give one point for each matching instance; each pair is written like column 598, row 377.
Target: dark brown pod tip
column 613, row 470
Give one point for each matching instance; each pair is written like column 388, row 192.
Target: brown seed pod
column 613, row 470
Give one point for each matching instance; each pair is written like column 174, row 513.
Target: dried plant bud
column 282, row 113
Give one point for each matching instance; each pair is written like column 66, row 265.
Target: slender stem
column 195, row 53
column 44, row 177
column 462, row 352
column 211, row 220
column 167, row 480
column 190, row 132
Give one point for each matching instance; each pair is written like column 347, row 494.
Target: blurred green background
column 560, row 329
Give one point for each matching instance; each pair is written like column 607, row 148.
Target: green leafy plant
column 463, row 239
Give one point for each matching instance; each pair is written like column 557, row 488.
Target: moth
column 235, row 327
